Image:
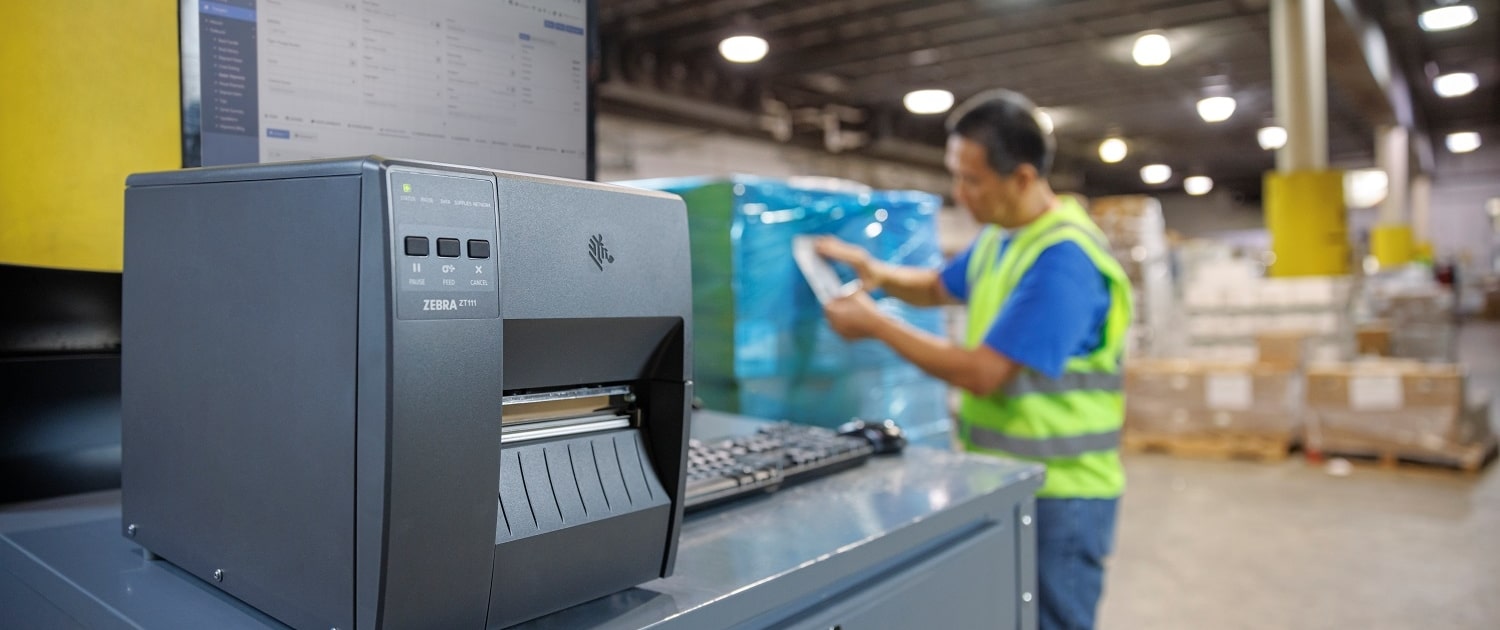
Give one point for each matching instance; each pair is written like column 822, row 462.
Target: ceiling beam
column 649, row 24
column 1043, row 62
column 788, row 27
column 1058, row 21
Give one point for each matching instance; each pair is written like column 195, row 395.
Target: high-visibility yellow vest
column 1071, row 423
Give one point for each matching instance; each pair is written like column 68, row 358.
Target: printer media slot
column 538, row 415
column 566, row 426
column 577, row 402
column 565, row 394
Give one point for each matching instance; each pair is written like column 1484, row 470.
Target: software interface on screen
column 493, row 83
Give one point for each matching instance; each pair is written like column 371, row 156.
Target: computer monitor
column 503, row 84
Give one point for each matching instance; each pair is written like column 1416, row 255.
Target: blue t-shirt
column 1057, row 310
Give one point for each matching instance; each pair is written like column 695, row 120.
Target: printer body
column 372, row 393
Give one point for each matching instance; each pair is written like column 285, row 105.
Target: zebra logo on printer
column 599, row 252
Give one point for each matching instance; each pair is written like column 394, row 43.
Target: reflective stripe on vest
column 1044, row 448
column 1031, row 382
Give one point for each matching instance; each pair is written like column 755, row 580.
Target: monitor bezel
column 191, row 93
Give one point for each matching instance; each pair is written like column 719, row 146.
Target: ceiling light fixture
column 1112, row 150
column 744, row 48
column 1198, row 185
column 1154, row 174
column 928, row 101
column 1151, row 49
column 1365, row 187
column 1447, row 18
column 1455, row 84
column 1271, row 137
column 1463, row 141
column 1216, row 108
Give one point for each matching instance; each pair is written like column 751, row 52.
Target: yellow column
column 1391, row 238
column 1421, row 212
column 1304, row 201
column 1392, row 245
column 1305, row 216
column 90, row 96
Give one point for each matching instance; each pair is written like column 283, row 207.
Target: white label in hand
column 820, row 275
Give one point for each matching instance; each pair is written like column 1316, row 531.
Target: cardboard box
column 1429, row 425
column 1287, row 349
column 1167, row 381
column 1492, row 304
column 1125, row 206
column 1202, row 296
column 1326, row 291
column 1327, row 352
column 1152, row 419
column 1455, row 437
column 1427, row 341
column 1184, row 396
column 1385, row 385
column 1373, row 339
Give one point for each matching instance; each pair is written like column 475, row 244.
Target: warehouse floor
column 1226, row 545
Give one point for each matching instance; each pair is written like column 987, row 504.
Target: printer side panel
column 374, row 386
column 238, row 377
column 443, row 449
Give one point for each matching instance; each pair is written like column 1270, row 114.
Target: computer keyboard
column 774, row 456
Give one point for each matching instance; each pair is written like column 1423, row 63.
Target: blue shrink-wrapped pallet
column 761, row 344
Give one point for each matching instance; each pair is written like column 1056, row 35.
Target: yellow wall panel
column 90, row 94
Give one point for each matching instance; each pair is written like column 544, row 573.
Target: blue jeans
column 1072, row 538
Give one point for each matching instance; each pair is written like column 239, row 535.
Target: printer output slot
column 566, row 426
column 577, row 402
column 536, row 415
column 573, row 393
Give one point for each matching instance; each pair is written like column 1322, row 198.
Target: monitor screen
column 501, row 84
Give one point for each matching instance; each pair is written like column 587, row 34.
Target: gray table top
column 734, row 562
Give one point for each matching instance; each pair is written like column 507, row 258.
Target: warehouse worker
column 1048, row 312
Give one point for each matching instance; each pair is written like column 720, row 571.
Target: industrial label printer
column 370, row 393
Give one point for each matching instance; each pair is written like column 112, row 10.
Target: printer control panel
column 446, row 263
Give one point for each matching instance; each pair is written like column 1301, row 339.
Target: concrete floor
column 1226, row 545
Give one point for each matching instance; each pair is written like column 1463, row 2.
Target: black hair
column 1005, row 124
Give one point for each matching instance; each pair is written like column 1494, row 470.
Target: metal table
column 921, row 539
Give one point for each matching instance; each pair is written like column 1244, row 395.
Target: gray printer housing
column 313, row 431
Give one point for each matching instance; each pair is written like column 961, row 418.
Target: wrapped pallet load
column 761, row 346
column 1195, row 407
column 1397, row 410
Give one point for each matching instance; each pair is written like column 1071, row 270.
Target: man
column 1048, row 313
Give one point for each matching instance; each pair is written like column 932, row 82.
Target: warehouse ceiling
column 837, row 71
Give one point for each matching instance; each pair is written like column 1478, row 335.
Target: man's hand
column 856, row 257
column 853, row 316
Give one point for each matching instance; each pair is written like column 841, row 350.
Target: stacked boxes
column 1403, row 408
column 1184, row 397
column 1419, row 311
column 1421, row 324
column 1290, row 350
column 1490, row 298
column 761, row 345
column 1229, row 306
column 1137, row 238
column 1373, row 339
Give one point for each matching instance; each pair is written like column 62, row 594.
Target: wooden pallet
column 1249, row 446
column 1470, row 459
